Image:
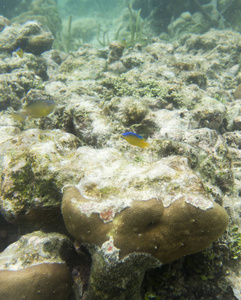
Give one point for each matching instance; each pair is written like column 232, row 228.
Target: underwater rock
column 122, row 208
column 220, row 41
column 197, row 78
column 233, row 140
column 53, row 59
column 113, row 279
column 207, row 153
column 27, row 72
column 83, row 64
column 209, row 112
column 115, row 52
column 118, row 203
column 18, row 80
column 233, row 112
column 129, row 110
column 188, row 23
column 133, row 60
column 31, row 37
column 237, row 123
column 34, row 268
column 44, row 12
column 33, row 167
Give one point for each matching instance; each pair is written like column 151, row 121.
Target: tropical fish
column 135, row 139
column 19, row 52
column 124, row 42
column 17, row 116
column 37, row 108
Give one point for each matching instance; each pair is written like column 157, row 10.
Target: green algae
column 206, row 267
column 108, row 191
column 119, row 86
column 29, row 190
column 234, row 242
column 215, row 168
column 92, row 190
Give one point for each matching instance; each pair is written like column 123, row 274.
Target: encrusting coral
column 168, row 224
column 146, row 226
column 123, row 213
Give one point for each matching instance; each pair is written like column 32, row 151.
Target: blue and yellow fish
column 135, row 139
column 19, row 52
column 35, row 109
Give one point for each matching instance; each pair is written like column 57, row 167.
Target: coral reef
column 181, row 98
column 31, row 37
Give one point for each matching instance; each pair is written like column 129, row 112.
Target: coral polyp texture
column 160, row 209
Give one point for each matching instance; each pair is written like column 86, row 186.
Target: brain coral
column 164, row 211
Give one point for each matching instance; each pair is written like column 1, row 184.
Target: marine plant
column 136, row 27
column 119, row 86
column 102, row 36
column 130, row 32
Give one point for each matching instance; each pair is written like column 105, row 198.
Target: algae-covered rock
column 188, row 23
column 209, row 113
column 44, row 12
column 129, row 110
column 33, row 174
column 34, row 267
column 128, row 212
column 160, row 208
column 31, row 37
column 233, row 112
column 84, row 63
column 115, row 52
column 14, row 86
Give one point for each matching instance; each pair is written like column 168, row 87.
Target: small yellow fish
column 19, row 52
column 135, row 139
column 37, row 108
column 17, row 116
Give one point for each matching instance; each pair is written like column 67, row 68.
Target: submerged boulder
column 33, row 268
column 161, row 209
column 125, row 212
column 33, row 173
column 31, row 37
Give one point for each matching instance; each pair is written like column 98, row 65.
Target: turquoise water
column 99, row 22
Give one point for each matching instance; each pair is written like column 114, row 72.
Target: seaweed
column 102, row 36
column 136, row 25
column 69, row 33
